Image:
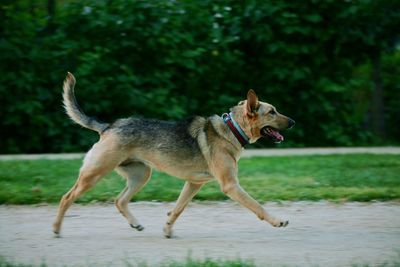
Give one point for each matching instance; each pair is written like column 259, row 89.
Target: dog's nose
column 291, row 123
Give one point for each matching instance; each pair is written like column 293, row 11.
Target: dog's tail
column 74, row 111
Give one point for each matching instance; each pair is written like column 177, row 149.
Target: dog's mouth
column 272, row 133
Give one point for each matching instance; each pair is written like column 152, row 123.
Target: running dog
column 197, row 150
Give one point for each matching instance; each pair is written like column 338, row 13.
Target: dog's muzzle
column 272, row 133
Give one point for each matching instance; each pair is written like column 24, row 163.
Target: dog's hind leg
column 137, row 174
column 188, row 192
column 98, row 162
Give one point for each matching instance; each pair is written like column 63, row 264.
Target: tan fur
column 217, row 159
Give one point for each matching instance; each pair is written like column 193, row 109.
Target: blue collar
column 235, row 128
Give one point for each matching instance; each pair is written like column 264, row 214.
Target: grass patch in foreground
column 206, row 263
column 334, row 177
column 201, row 263
column 188, row 263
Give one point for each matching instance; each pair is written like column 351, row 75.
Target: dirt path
column 319, row 233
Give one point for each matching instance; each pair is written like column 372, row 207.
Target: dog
column 198, row 150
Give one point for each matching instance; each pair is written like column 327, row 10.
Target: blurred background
column 333, row 66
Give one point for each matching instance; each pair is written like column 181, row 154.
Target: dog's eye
column 272, row 112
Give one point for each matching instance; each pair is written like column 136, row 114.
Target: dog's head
column 260, row 119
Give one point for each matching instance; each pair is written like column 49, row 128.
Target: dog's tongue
column 276, row 135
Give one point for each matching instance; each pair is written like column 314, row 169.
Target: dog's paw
column 137, row 227
column 56, row 227
column 56, row 230
column 279, row 223
column 168, row 231
column 57, row 234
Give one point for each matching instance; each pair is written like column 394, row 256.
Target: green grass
column 335, row 177
column 188, row 263
column 201, row 263
column 207, row 263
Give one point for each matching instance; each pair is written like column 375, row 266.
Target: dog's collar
column 235, row 128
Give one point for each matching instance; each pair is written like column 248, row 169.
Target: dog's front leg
column 236, row 192
column 188, row 192
column 227, row 178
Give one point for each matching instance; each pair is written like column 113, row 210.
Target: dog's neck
column 236, row 129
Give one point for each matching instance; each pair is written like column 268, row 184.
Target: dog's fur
column 197, row 150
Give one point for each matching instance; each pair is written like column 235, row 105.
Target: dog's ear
column 252, row 103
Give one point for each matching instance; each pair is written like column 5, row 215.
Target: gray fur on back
column 164, row 136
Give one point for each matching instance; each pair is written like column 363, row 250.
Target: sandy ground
column 319, row 233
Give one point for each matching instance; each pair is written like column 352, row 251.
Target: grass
column 208, row 263
column 360, row 177
column 188, row 263
column 201, row 263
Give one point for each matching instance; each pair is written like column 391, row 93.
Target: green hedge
column 171, row 59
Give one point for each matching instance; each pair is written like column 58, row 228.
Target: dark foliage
column 170, row 59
